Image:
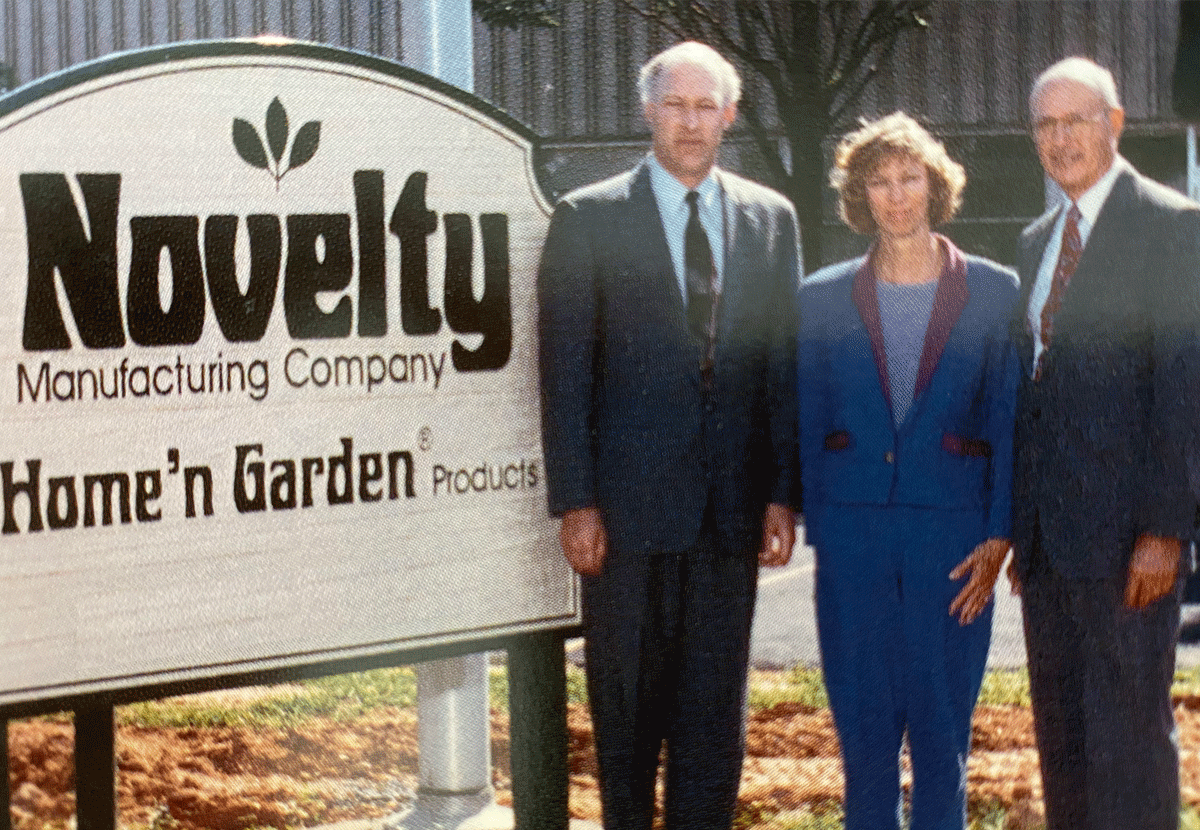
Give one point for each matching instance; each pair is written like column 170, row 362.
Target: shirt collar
column 671, row 192
column 1093, row 199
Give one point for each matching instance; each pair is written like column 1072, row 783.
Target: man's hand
column 1152, row 570
column 1014, row 577
column 982, row 565
column 583, row 540
column 779, row 534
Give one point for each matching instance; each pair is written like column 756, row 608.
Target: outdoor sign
column 268, row 387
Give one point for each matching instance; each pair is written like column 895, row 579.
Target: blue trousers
column 894, row 658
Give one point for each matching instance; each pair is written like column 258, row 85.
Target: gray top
column 904, row 312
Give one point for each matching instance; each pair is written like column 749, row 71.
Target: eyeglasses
column 1071, row 125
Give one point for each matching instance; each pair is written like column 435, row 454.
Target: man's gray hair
column 692, row 53
column 1082, row 71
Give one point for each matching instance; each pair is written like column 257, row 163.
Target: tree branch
column 655, row 17
column 763, row 140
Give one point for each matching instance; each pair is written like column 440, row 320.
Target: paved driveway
column 785, row 628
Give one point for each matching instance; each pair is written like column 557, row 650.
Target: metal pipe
column 1193, row 174
column 436, row 36
column 452, row 694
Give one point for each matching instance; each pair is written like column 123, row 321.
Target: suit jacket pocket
column 966, row 447
column 838, row 440
column 963, row 478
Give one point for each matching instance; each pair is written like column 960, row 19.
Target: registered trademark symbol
column 425, row 438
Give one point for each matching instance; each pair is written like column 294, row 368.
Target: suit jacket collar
column 948, row 304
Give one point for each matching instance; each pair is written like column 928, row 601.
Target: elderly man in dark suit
column 1107, row 416
column 669, row 421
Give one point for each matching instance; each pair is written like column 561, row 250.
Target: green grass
column 341, row 697
column 576, row 685
column 991, row 819
column 806, row 818
column 348, row 696
column 1187, row 682
column 801, row 684
column 1005, row 687
column 830, row 818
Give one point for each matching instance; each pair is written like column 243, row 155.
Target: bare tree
column 813, row 59
column 806, row 63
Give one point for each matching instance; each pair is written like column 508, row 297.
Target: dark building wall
column 966, row 75
column 970, row 69
column 38, row 37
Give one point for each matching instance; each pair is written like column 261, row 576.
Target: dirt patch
column 223, row 778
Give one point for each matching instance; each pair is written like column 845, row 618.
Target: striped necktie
column 1068, row 260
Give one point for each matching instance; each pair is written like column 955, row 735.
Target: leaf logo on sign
column 250, row 146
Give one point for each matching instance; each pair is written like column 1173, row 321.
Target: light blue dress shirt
column 670, row 195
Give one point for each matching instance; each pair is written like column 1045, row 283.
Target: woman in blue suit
column 907, row 389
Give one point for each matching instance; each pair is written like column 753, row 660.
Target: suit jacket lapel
column 734, row 214
column 1110, row 240
column 948, row 303
column 645, row 228
column 867, row 301
column 1032, row 249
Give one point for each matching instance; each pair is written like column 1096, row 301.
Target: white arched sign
column 267, row 369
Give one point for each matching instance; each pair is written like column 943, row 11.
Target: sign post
column 454, row 755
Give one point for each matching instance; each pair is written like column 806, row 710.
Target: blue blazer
column 954, row 448
column 625, row 425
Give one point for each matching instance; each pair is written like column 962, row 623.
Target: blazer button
column 889, row 457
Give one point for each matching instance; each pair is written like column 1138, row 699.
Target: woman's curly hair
column 860, row 153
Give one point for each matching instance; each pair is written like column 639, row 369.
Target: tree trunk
column 805, row 119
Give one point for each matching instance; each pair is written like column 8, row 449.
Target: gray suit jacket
column 1106, row 441
column 626, row 427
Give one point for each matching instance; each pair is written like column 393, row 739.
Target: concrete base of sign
column 460, row 811
column 386, row 824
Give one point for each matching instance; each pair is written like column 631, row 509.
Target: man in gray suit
column 1107, row 417
column 669, row 425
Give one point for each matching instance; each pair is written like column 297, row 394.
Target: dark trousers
column 668, row 641
column 895, row 660
column 1100, row 676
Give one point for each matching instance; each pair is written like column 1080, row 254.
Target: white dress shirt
column 670, row 195
column 1089, row 205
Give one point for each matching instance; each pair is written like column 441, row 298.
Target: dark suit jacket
column 1106, row 443
column 626, row 427
column 954, row 449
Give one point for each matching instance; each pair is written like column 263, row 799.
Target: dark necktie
column 1068, row 259
column 701, row 280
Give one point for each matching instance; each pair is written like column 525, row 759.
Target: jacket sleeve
column 1172, row 485
column 785, row 485
column 1003, row 378
column 811, row 390
column 567, row 343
